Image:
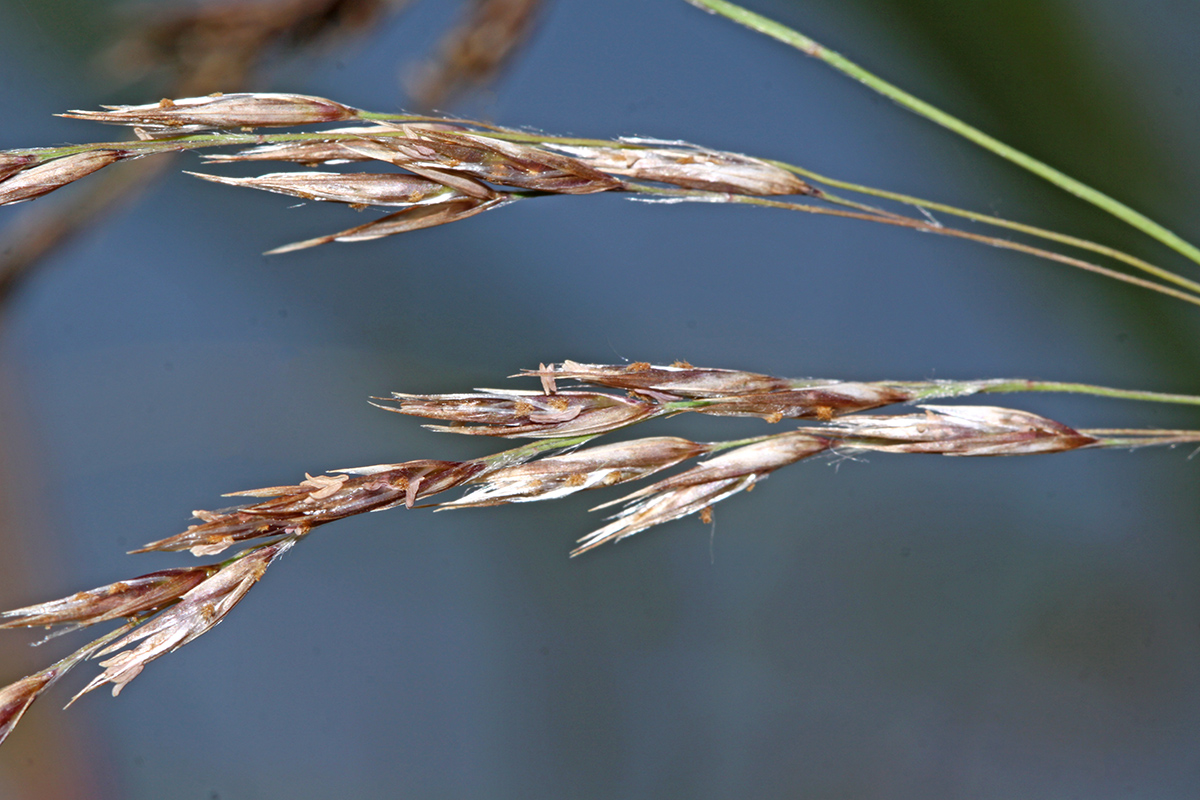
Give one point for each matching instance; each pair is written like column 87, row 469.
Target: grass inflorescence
column 162, row 611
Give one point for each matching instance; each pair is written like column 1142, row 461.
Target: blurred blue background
column 889, row 627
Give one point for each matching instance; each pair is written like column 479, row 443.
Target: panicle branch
column 451, row 167
column 593, row 468
column 462, row 162
column 118, row 600
column 167, row 609
column 701, row 487
column 316, row 501
column 197, row 612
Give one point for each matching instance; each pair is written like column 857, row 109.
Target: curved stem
column 1032, row 230
column 1007, row 386
column 941, row 230
column 839, row 62
column 1121, row 437
column 930, row 390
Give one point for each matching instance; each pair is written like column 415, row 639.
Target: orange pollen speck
column 774, row 417
column 559, row 403
column 521, row 408
column 682, row 365
column 638, row 366
column 706, row 515
column 578, row 479
column 824, row 413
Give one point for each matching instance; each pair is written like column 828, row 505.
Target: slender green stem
column 999, row 222
column 930, row 227
column 839, row 62
column 1107, row 437
column 920, row 391
column 929, row 390
column 1137, row 438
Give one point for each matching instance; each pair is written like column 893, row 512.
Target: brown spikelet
column 591, row 468
column 703, row 486
column 692, row 167
column 222, row 111
column 317, row 501
column 355, row 188
column 26, row 184
column 963, row 431
column 493, row 412
column 429, row 151
column 822, row 402
column 410, row 219
column 16, row 698
column 12, row 162
column 196, row 613
column 673, row 381
column 114, row 601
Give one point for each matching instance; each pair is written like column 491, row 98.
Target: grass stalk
column 987, row 219
column 925, row 226
column 808, row 46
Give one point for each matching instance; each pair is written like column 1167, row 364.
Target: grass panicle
column 427, row 171
column 453, row 169
column 164, row 610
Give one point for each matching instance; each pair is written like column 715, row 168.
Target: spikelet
column 702, row 486
column 222, row 111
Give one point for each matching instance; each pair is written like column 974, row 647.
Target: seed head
column 196, row 613
column 316, row 501
column 424, row 148
column 356, row 188
column 114, row 601
column 692, row 168
column 408, row 153
column 332, row 151
column 962, row 431
column 11, row 162
column 590, row 468
column 496, row 412
column 702, row 486
column 410, row 219
column 17, row 697
column 239, row 110
column 26, row 184
column 679, row 381
column 824, row 401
